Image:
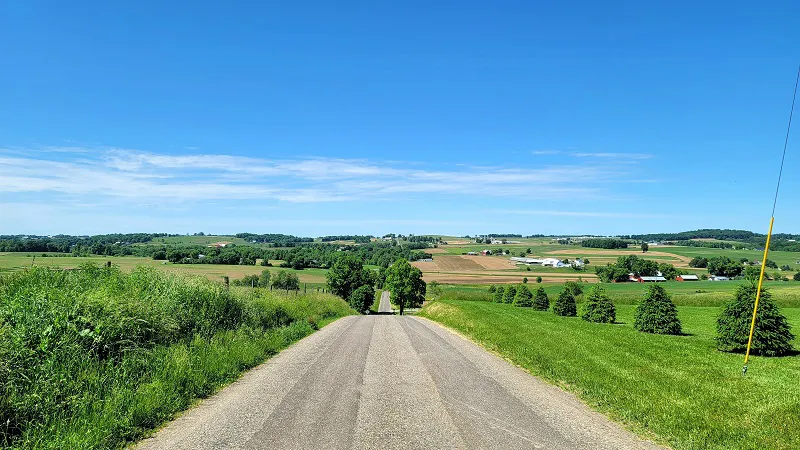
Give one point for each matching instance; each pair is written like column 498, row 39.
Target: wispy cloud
column 546, row 152
column 85, row 174
column 614, row 155
column 598, row 214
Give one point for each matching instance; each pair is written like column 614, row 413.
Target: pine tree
column 540, row 301
column 498, row 295
column 565, row 304
column 509, row 294
column 598, row 307
column 524, row 298
column 772, row 335
column 656, row 313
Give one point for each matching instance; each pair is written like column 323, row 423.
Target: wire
column 786, row 142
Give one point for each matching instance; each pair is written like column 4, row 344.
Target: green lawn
column 676, row 388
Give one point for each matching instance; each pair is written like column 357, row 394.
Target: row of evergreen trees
column 657, row 314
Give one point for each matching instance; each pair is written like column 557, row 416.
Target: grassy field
column 97, row 357
column 678, row 389
column 15, row 261
column 197, row 240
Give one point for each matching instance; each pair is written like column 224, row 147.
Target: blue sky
column 315, row 118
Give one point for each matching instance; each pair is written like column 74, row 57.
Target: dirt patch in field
column 494, row 279
column 456, row 264
column 491, row 262
column 462, row 242
column 434, row 251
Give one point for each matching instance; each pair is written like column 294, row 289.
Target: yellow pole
column 758, row 293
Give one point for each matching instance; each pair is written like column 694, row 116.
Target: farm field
column 198, row 240
column 15, row 261
column 677, row 389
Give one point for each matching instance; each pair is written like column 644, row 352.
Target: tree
column 724, row 267
column 540, row 301
column 645, row 247
column 656, row 313
column 263, row 279
column 565, row 304
column 492, row 289
column 772, row 335
column 362, row 298
column 285, row 280
column 772, row 264
column 498, row 295
column 509, row 294
column 574, row 288
column 405, row 284
column 347, row 275
column 668, row 271
column 752, row 273
column 528, row 250
column 435, row 288
column 699, row 262
column 598, row 306
column 796, row 276
column 521, row 254
column 538, row 279
column 524, row 298
column 525, row 280
column 786, row 268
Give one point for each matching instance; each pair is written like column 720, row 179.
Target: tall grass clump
column 94, row 357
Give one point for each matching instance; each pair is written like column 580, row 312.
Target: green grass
column 97, row 357
column 678, row 389
column 198, row 240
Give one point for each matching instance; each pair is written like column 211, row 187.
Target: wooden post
column 227, row 282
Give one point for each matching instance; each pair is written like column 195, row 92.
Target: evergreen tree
column 598, row 306
column 498, row 295
column 540, row 301
column 565, row 304
column 524, row 298
column 772, row 335
column 509, row 294
column 656, row 313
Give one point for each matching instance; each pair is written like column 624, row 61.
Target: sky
column 361, row 117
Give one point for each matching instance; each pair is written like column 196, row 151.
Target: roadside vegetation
column 670, row 373
column 96, row 357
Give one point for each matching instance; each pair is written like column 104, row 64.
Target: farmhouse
column 553, row 262
column 486, row 252
column 687, row 278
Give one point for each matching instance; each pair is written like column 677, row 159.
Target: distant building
column 486, row 252
column 639, row 279
column 687, row 278
column 716, row 278
column 425, row 260
column 472, row 253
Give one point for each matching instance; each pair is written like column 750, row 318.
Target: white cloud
column 86, row 174
column 614, row 155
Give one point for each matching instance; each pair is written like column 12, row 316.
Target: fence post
column 227, row 282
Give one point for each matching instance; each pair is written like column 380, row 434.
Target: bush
column 509, row 294
column 540, row 301
column 598, row 307
column 565, row 304
column 524, row 298
column 656, row 313
column 362, row 299
column 286, row 280
column 772, row 335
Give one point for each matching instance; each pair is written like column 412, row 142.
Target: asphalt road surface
column 385, row 306
column 390, row 382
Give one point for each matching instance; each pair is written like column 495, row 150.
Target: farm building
column 425, row 260
column 472, row 253
column 486, row 252
column 716, row 278
column 687, row 278
column 527, row 261
column 639, row 279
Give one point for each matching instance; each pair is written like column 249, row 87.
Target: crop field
column 675, row 389
column 197, row 240
column 15, row 261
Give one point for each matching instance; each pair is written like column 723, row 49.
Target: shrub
column 524, row 298
column 796, row 276
column 598, row 307
column 525, row 280
column 540, row 301
column 538, row 279
column 509, row 294
column 656, row 313
column 772, row 335
column 492, row 289
column 565, row 304
column 362, row 299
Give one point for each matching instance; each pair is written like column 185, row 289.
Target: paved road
column 390, row 382
column 385, row 306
